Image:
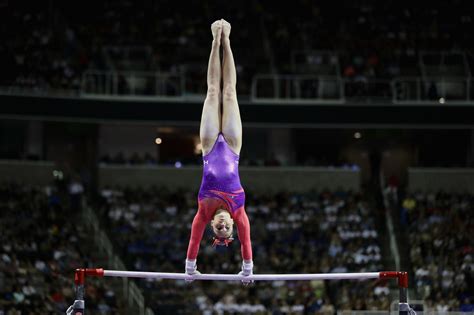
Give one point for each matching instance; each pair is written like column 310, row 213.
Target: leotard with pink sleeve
column 220, row 189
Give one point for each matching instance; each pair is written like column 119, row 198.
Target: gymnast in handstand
column 221, row 197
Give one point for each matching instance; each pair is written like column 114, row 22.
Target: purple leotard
column 220, row 178
column 221, row 188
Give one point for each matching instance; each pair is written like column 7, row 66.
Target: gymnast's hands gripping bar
column 400, row 275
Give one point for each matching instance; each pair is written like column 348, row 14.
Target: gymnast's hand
column 78, row 305
column 247, row 270
column 191, row 269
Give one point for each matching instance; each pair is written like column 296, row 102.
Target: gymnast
column 221, row 197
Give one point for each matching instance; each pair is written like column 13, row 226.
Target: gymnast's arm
column 243, row 227
column 197, row 230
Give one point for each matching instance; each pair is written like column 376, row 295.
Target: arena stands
column 41, row 245
column 88, row 88
column 292, row 233
column 53, row 46
column 378, row 51
column 440, row 229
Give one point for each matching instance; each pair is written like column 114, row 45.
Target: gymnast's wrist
column 191, row 266
column 247, row 266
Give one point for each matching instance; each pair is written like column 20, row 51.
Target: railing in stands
column 443, row 63
column 130, row 291
column 269, row 88
column 410, row 90
column 132, row 83
column 322, row 62
column 285, row 89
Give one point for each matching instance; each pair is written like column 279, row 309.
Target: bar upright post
column 79, row 305
column 403, row 307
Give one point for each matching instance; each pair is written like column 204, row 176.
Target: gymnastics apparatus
column 221, row 190
column 80, row 276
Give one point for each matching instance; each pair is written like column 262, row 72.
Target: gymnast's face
column 222, row 224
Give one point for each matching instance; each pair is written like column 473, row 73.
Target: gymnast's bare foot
column 225, row 29
column 216, row 29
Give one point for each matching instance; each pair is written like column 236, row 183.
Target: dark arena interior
column 356, row 157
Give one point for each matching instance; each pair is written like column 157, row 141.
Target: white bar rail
column 230, row 277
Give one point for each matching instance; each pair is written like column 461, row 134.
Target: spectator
column 441, row 281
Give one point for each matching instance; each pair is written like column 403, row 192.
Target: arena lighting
column 58, row 174
column 401, row 276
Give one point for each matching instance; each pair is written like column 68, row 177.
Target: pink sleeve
column 197, row 231
column 243, row 227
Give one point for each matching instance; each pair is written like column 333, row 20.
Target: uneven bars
column 230, row 277
column 401, row 276
column 80, row 275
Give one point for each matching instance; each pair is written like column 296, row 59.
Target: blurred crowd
column 314, row 232
column 147, row 159
column 292, row 233
column 51, row 46
column 133, row 159
column 373, row 38
column 40, row 247
column 441, row 240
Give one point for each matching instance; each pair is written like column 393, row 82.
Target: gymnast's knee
column 212, row 92
column 229, row 93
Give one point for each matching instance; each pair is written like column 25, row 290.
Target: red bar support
column 97, row 272
column 79, row 277
column 402, row 277
column 81, row 273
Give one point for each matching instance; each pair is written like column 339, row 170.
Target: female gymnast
column 221, row 197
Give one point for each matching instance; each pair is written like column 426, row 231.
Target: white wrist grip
column 247, row 268
column 190, row 266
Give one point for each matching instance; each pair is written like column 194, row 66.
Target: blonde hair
column 223, row 234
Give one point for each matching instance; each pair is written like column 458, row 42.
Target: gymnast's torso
column 220, row 180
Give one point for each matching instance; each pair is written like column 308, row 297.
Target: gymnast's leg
column 231, row 122
column 210, row 119
column 232, row 130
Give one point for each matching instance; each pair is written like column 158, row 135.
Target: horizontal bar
column 234, row 277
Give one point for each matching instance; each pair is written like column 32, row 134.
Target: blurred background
column 358, row 153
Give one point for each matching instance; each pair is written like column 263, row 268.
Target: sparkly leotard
column 221, row 189
column 221, row 176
